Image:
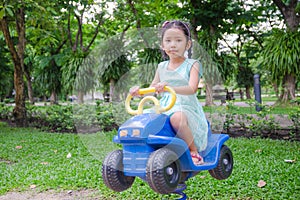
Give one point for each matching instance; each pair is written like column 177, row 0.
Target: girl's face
column 175, row 43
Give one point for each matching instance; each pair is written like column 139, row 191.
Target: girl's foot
column 197, row 159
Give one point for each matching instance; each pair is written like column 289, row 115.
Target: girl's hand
column 159, row 87
column 134, row 91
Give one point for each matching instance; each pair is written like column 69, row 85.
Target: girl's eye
column 179, row 40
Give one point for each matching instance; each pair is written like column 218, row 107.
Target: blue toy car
column 153, row 153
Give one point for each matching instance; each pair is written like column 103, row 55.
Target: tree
column 45, row 38
column 16, row 12
column 211, row 17
column 144, row 19
column 80, row 42
column 244, row 41
column 282, row 53
column 6, row 72
column 290, row 10
column 282, row 58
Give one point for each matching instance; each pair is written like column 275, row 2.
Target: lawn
column 30, row 159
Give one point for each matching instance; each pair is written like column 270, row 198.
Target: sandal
column 197, row 159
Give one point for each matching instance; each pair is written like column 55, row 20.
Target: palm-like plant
column 281, row 57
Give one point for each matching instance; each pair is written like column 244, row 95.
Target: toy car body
column 152, row 152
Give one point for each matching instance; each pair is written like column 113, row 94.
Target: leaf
column 258, row 151
column 69, row 155
column 32, row 186
column 2, row 12
column 289, row 161
column 261, row 183
column 9, row 11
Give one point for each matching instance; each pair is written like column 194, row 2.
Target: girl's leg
column 180, row 124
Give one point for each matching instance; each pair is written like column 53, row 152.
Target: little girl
column 183, row 75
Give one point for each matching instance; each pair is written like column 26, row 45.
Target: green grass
column 281, row 110
column 42, row 161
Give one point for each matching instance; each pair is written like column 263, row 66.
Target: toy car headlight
column 123, row 133
column 136, row 132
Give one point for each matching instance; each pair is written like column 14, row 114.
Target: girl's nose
column 173, row 44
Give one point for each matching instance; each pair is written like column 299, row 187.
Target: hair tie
column 165, row 24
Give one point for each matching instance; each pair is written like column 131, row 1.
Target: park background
column 45, row 48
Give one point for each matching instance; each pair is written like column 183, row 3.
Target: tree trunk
column 208, row 95
column 248, row 95
column 288, row 88
column 53, row 98
column 80, row 97
column 111, row 89
column 290, row 13
column 241, row 94
column 276, row 90
column 19, row 111
column 29, row 86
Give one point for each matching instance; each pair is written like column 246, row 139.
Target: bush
column 264, row 123
column 295, row 117
column 67, row 118
column 5, row 112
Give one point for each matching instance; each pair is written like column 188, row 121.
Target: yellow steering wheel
column 152, row 98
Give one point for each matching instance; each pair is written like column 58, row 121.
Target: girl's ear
column 188, row 45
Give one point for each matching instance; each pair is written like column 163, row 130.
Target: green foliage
column 149, row 59
column 295, row 117
column 246, row 121
column 5, row 111
column 67, row 118
column 281, row 55
column 6, row 72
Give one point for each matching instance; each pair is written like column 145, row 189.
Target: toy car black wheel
column 112, row 172
column 225, row 164
column 163, row 171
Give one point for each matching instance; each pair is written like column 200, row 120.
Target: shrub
column 295, row 117
column 67, row 118
column 5, row 112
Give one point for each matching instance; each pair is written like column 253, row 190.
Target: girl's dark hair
column 180, row 25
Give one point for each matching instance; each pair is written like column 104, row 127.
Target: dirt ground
column 53, row 195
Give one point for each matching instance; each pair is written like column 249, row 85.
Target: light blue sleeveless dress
column 188, row 104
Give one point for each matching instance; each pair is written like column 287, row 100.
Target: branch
column 80, row 29
column 69, row 30
column 282, row 7
column 95, row 35
column 293, row 3
column 231, row 49
column 123, row 32
column 20, row 23
column 60, row 46
column 9, row 41
column 78, row 32
column 257, row 40
column 138, row 21
column 280, row 4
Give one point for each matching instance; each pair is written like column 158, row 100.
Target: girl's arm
column 159, row 86
column 189, row 89
column 155, row 80
column 193, row 82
